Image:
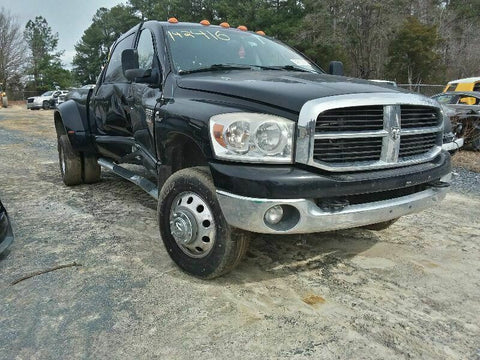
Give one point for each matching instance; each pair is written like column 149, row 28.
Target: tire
column 204, row 245
column 70, row 162
column 380, row 226
column 91, row 171
column 5, row 102
column 46, row 105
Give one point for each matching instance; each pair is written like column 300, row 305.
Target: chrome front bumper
column 248, row 213
column 453, row 145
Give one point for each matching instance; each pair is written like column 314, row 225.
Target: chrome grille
column 368, row 131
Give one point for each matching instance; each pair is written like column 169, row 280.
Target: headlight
column 252, row 137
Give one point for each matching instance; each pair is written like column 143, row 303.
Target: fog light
column 274, row 214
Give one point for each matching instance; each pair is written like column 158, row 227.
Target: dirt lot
column 411, row 291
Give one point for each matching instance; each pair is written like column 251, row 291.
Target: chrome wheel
column 192, row 224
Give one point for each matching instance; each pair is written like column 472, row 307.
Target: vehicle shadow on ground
column 271, row 256
column 5, row 254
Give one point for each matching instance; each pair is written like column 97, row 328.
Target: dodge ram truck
column 235, row 133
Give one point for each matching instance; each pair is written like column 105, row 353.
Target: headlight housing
column 252, row 137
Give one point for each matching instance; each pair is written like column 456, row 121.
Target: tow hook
column 439, row 184
column 334, row 205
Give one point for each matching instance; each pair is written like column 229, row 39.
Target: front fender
column 72, row 119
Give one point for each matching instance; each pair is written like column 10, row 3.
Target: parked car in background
column 467, row 84
column 463, row 110
column 6, row 233
column 48, row 100
column 460, row 99
column 61, row 97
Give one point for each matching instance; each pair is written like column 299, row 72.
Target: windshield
column 194, row 48
column 48, row 93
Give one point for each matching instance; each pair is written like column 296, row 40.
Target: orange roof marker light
column 205, row 22
column 173, row 20
column 225, row 25
column 242, row 27
column 260, row 32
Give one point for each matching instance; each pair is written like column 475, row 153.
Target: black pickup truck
column 238, row 133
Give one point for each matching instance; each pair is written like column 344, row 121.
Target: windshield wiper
column 284, row 67
column 216, row 67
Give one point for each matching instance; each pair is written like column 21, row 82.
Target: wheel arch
column 176, row 148
column 68, row 119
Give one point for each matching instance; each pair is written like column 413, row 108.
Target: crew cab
column 238, row 133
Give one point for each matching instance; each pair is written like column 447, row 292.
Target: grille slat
column 411, row 145
column 347, row 150
column 351, row 119
column 417, row 117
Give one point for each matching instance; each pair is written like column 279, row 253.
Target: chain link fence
column 424, row 89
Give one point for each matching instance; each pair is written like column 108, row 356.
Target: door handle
column 130, row 100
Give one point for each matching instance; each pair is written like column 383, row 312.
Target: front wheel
column 193, row 228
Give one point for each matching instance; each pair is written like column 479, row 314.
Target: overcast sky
column 70, row 18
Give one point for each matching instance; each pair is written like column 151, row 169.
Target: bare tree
column 12, row 48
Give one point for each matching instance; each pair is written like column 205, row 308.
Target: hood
column 287, row 90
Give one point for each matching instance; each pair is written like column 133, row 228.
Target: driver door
column 144, row 95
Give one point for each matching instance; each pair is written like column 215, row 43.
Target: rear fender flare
column 69, row 120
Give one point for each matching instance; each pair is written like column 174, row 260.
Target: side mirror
column 129, row 61
column 132, row 72
column 136, row 74
column 335, row 68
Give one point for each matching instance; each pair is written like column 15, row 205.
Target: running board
column 148, row 186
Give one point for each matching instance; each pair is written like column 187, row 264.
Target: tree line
column 409, row 41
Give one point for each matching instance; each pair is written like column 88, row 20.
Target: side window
column 145, row 50
column 114, row 70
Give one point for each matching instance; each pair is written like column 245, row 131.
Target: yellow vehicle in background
column 467, row 84
column 3, row 98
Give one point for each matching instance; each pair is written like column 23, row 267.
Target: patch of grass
column 469, row 160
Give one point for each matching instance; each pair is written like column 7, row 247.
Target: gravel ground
column 467, row 182
column 411, row 291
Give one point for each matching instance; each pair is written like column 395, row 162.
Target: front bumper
column 306, row 217
column 453, row 145
column 34, row 105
